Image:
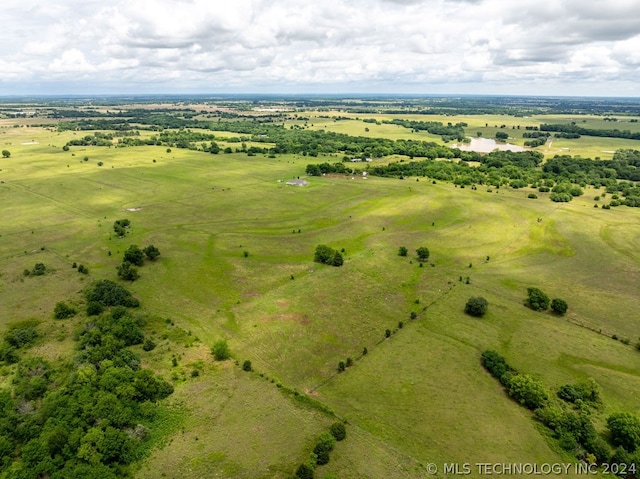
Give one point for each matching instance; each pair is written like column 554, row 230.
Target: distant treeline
column 447, row 132
column 563, row 176
column 573, row 129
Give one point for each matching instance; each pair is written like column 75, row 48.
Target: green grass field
column 418, row 397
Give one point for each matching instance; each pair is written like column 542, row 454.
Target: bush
column 246, row 366
column 326, row 255
column 304, row 471
column 423, row 253
column 559, row 306
column 109, row 293
column 127, row 271
column 324, row 446
column 476, row 306
column 403, row 251
column 63, row 311
column 94, row 308
column 527, row 391
column 39, row 269
column 134, row 255
column 624, row 428
column 533, row 196
column 21, row 334
column 537, row 300
column 149, row 345
column 83, row 269
column 220, row 350
column 151, row 252
column 338, row 431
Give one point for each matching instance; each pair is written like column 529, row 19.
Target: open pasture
column 421, row 395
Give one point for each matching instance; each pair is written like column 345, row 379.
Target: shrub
column 423, row 253
column 109, row 293
column 39, row 269
column 559, row 306
column 537, row 300
column 304, row 471
column 324, row 446
column 246, row 366
column 94, row 308
column 476, row 306
column 220, row 350
column 21, row 334
column 527, row 391
column 403, row 251
column 151, row 252
column 149, row 345
column 624, row 428
column 127, row 271
column 338, row 431
column 83, row 269
column 63, row 311
column 533, row 196
column 134, row 255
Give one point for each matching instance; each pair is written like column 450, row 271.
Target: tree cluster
column 134, row 258
column 327, row 255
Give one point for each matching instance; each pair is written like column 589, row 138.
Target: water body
column 487, row 145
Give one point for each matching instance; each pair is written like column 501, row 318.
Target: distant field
column 420, row 396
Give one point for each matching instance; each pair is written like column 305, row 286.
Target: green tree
column 624, row 428
column 324, row 446
column 151, row 252
column 246, row 366
column 502, row 136
column 527, row 391
column 220, row 350
column 403, row 251
column 423, row 253
column 537, row 300
column 337, row 259
column 63, row 311
column 338, row 431
column 559, row 306
column 134, row 255
column 476, row 306
column 127, row 271
column 323, row 254
column 6, row 153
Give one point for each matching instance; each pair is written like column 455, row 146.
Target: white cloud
column 464, row 46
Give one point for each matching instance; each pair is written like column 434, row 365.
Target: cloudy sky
column 536, row 47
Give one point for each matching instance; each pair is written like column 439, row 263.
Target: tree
column 109, row 293
column 476, row 306
column 246, row 366
column 151, row 252
column 338, row 431
column 63, row 311
column 559, row 306
column 324, row 446
column 502, row 136
column 6, row 153
column 134, row 255
column 403, row 251
column 323, row 254
column 337, row 259
column 537, row 300
column 423, row 253
column 220, row 350
column 527, row 391
column 304, row 471
column 127, row 271
column 625, row 430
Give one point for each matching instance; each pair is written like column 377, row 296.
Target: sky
column 510, row 47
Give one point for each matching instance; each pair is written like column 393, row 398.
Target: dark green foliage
column 341, row 366
column 327, row 255
column 21, row 334
column 559, row 306
column 624, row 429
column 497, row 367
column 108, row 293
column 502, row 136
column 94, row 308
column 413, row 315
column 63, row 311
column 151, row 252
column 149, row 345
column 403, row 251
column 220, row 350
column 349, row 362
column 304, row 471
column 134, row 255
column 83, row 269
column 338, row 431
column 387, row 333
column 476, row 306
column 324, row 446
column 39, row 269
column 246, row 366
column 537, row 300
column 586, row 392
column 423, row 253
column 127, row 271
column 6, row 153
column 120, row 227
